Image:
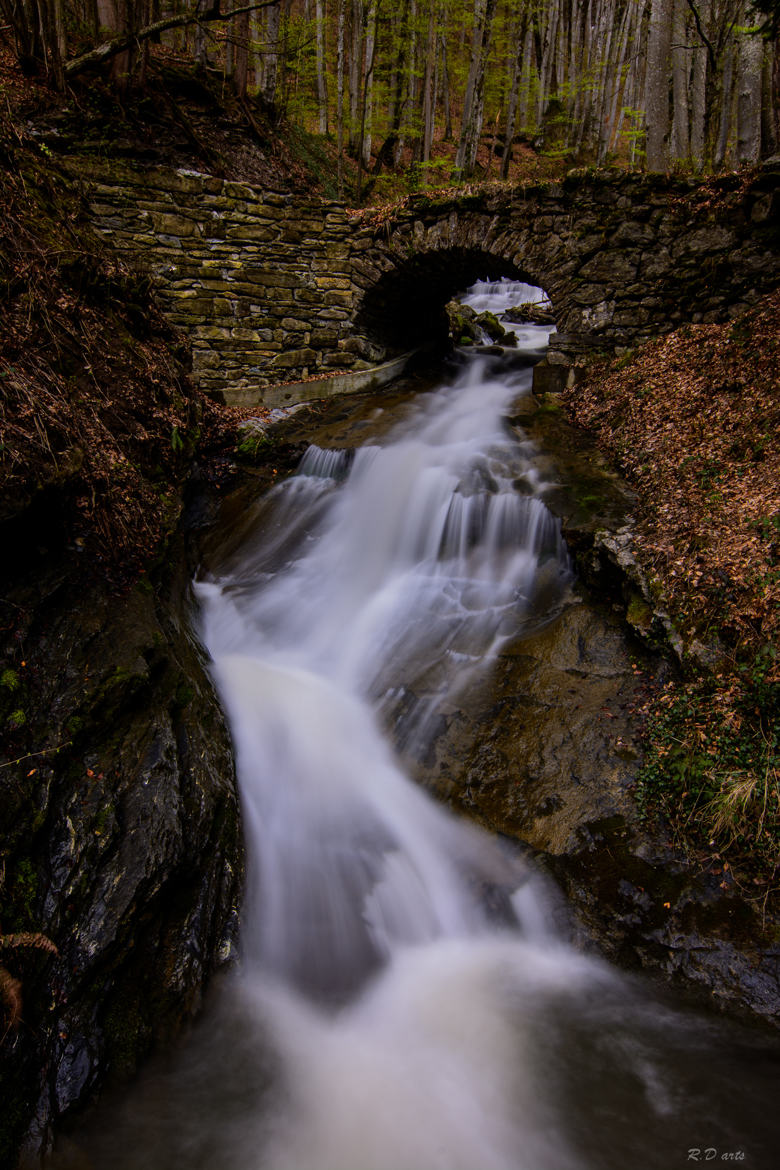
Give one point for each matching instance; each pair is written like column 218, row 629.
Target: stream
column 408, row 996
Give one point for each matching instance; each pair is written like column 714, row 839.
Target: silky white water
column 393, row 998
column 405, row 999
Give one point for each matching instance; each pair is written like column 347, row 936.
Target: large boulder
column 120, row 840
column 491, row 325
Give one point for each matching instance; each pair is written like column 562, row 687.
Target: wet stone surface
column 546, row 749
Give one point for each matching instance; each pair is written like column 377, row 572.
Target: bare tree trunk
column 725, row 108
column 340, row 98
column 613, row 77
column 749, row 79
column 356, row 56
column 680, row 148
column 769, row 108
column 322, row 81
column 429, row 88
column 111, row 22
column 199, row 37
column 657, row 85
column 59, row 45
column 511, row 114
column 698, row 119
column 630, row 55
column 526, row 80
column 548, row 41
column 410, row 103
column 241, row 53
column 368, row 84
column 445, row 90
column 271, row 56
column 477, row 33
column 465, row 158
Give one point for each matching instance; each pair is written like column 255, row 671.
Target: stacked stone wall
column 258, row 280
column 273, row 287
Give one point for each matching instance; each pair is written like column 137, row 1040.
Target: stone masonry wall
column 259, row 281
column 622, row 256
column 272, row 288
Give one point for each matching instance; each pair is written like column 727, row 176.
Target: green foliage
column 23, row 893
column 254, row 445
column 718, row 781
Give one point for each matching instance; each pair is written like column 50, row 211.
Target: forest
column 446, row 90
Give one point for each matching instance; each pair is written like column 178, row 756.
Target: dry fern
column 11, row 988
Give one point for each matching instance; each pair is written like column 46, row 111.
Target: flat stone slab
column 291, row 393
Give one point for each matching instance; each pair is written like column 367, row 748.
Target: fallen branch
column 126, row 40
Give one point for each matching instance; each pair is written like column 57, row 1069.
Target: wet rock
column 461, row 321
column 531, row 313
column 491, row 325
column 121, row 842
column 642, row 612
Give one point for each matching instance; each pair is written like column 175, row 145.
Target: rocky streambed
column 122, row 831
column 547, row 749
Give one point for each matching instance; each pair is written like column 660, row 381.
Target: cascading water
column 426, row 554
column 405, row 1002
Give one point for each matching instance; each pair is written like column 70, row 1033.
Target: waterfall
column 405, row 999
column 390, row 990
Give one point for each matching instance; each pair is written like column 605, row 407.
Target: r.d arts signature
column 710, row 1154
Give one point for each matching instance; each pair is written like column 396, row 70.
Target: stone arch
column 403, row 306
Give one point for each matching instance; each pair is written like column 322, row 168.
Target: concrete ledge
column 294, row 392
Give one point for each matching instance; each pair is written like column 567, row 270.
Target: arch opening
column 405, row 307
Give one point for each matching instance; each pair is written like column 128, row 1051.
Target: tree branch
column 710, row 50
column 126, row 40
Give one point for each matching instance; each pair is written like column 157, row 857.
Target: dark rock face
column 121, row 842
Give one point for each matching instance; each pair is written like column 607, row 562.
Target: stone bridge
column 273, row 287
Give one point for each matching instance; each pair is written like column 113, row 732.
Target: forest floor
column 692, row 421
column 99, row 424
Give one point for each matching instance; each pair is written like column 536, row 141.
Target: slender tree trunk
column 368, row 84
column 680, row 148
column 355, row 73
column 629, row 53
column 511, row 114
column 465, row 158
column 468, row 98
column 410, row 120
column 657, row 85
column 613, row 77
column 698, row 119
column 271, row 56
column 59, row 45
column 548, row 40
column 749, row 84
column 241, row 53
column 445, row 89
column 526, row 81
column 340, row 97
column 322, row 78
column 769, row 138
column 429, row 94
column 725, row 108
